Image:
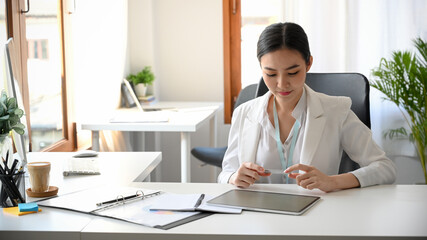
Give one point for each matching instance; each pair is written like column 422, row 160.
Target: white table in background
column 117, row 168
column 188, row 118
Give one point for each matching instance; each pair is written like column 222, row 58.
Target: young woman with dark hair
column 296, row 129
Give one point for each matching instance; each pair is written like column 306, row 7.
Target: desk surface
column 117, row 168
column 188, row 117
column 378, row 212
column 370, row 213
column 61, row 224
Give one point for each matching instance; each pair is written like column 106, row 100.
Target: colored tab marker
column 28, row 207
column 15, row 211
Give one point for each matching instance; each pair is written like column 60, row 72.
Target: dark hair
column 283, row 35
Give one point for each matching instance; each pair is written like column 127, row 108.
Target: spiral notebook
column 127, row 204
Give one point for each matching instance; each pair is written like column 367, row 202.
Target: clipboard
column 127, row 204
column 261, row 201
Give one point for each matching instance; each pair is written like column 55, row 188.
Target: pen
column 11, row 190
column 6, row 168
column 2, row 171
column 199, row 201
column 12, row 169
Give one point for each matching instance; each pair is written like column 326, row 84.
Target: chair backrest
column 353, row 85
column 246, row 94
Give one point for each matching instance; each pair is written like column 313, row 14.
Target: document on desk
column 128, row 204
column 189, row 202
column 140, row 117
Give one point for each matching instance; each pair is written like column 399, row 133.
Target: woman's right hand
column 247, row 174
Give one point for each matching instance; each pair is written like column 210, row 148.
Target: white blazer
column 331, row 127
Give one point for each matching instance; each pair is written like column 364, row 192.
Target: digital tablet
column 265, row 201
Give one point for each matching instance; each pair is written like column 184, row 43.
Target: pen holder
column 12, row 189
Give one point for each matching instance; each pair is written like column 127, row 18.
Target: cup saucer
column 51, row 192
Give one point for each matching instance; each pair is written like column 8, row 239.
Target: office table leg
column 185, row 157
column 213, row 142
column 213, row 131
column 95, row 140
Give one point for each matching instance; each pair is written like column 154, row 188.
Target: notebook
column 124, row 203
column 273, row 202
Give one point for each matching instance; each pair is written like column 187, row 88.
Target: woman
column 296, row 129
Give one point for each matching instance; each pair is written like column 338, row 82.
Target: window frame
column 16, row 28
column 232, row 55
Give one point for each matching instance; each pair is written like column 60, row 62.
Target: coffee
column 39, row 176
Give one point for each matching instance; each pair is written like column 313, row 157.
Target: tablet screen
column 265, row 201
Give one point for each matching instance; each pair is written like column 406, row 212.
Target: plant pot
column 140, row 90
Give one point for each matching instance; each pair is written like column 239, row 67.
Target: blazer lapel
column 314, row 127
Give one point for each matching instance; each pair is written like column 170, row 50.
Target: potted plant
column 10, row 114
column 141, row 80
column 403, row 80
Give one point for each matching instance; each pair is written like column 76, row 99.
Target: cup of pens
column 12, row 184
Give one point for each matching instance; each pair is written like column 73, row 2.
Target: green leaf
column 403, row 81
column 396, row 133
column 10, row 115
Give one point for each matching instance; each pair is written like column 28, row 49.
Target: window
column 38, row 49
column 38, row 40
column 244, row 21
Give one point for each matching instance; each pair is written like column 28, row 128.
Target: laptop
column 143, row 116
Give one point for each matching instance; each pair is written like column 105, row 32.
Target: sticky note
column 28, row 207
column 15, row 211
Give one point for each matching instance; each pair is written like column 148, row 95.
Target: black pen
column 6, row 169
column 7, row 159
column 12, row 169
column 199, row 201
column 2, row 171
column 9, row 189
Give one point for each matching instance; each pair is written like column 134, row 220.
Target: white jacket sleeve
column 230, row 163
column 375, row 167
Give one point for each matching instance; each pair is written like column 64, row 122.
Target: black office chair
column 353, row 85
column 214, row 156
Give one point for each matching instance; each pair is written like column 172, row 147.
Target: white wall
column 182, row 41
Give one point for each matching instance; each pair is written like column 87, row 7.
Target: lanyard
column 296, row 127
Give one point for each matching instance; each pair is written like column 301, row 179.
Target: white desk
column 379, row 212
column 62, row 224
column 190, row 117
column 116, row 168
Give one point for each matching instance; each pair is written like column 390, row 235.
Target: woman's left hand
column 312, row 178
